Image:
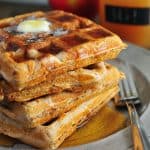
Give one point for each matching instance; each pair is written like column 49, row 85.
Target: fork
column 129, row 95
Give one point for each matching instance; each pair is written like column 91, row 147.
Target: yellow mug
column 128, row 18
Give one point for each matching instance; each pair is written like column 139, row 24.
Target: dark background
column 14, row 7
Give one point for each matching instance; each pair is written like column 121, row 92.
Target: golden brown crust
column 73, row 81
column 1, row 93
column 46, row 108
column 52, row 135
column 85, row 43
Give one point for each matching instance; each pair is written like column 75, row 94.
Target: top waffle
column 29, row 58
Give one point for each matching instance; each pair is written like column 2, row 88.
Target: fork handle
column 138, row 145
column 140, row 138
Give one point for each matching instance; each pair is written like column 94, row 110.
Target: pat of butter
column 34, row 26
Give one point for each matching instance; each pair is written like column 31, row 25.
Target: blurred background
column 129, row 19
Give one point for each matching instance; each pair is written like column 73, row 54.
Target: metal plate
column 141, row 83
column 139, row 60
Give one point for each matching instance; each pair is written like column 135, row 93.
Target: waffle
column 51, row 135
column 41, row 110
column 1, row 93
column 28, row 59
column 77, row 80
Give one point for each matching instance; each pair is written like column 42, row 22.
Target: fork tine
column 126, row 86
column 132, row 86
column 121, row 93
column 131, row 81
column 128, row 89
column 123, row 84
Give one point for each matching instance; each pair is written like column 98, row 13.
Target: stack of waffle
column 52, row 82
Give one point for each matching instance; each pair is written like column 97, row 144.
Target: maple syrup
column 97, row 128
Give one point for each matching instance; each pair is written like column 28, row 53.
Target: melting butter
column 35, row 26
